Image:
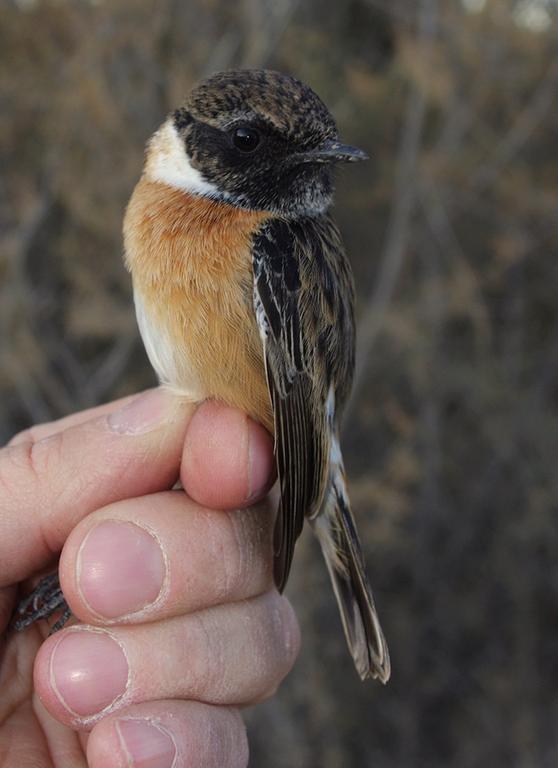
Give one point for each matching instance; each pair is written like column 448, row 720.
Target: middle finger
column 158, row 556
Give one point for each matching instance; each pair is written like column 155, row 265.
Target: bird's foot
column 46, row 599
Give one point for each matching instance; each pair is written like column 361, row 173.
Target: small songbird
column 243, row 293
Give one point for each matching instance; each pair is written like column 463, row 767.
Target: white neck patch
column 168, row 162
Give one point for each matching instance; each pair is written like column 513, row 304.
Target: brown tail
column 336, row 531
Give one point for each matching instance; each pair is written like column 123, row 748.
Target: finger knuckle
column 273, row 644
column 233, row 553
column 219, row 741
column 26, row 436
column 25, row 482
column 206, row 654
column 22, row 470
column 286, row 633
column 238, row 749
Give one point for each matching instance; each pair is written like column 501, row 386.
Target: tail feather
column 336, row 531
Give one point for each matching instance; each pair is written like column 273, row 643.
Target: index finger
column 46, row 487
column 40, row 431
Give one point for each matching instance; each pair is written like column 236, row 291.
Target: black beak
column 332, row 152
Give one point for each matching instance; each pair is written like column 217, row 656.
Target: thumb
column 48, row 486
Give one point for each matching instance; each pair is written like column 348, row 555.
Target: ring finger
column 231, row 654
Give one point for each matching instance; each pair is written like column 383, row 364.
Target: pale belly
column 171, row 364
column 206, row 351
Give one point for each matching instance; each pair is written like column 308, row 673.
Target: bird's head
column 254, row 138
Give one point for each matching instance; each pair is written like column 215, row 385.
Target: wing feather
column 307, row 333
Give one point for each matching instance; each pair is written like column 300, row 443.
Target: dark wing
column 303, row 297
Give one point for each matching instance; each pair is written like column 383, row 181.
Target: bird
column 244, row 294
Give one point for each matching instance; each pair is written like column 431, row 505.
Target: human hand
column 179, row 621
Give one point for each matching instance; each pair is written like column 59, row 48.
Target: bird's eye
column 246, row 139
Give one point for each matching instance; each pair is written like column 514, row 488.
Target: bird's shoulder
column 304, row 294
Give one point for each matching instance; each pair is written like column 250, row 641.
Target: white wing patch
column 263, row 325
column 330, row 405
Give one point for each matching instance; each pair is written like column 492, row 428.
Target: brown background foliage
column 452, row 434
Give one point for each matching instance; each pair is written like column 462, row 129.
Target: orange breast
column 190, row 259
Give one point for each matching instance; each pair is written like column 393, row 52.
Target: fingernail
column 120, row 569
column 146, row 744
column 88, row 671
column 144, row 413
column 260, row 460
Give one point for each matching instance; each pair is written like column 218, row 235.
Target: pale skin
column 178, row 623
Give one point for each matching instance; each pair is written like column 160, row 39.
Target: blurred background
column 452, row 227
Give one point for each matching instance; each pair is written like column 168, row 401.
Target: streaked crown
column 258, row 139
